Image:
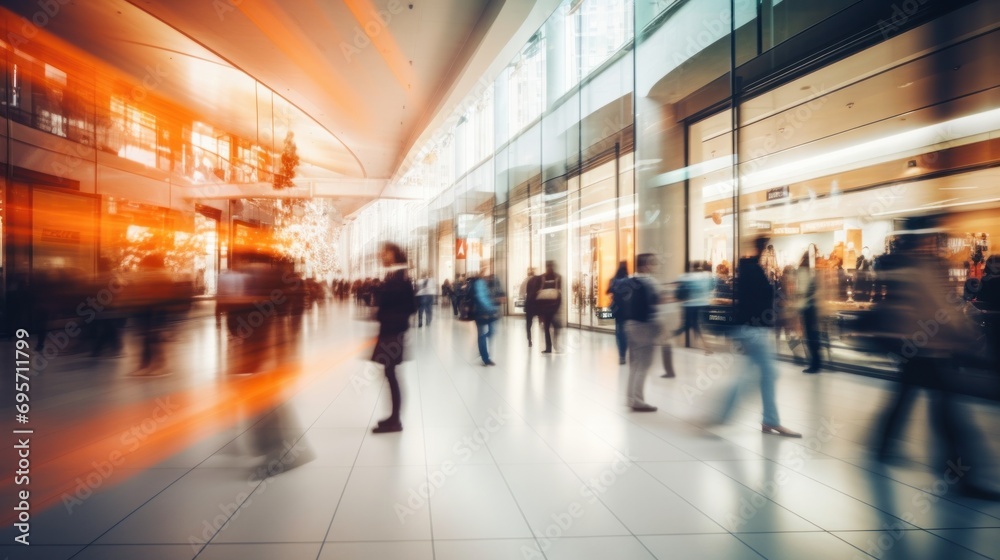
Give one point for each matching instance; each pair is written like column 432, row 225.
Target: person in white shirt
column 425, row 298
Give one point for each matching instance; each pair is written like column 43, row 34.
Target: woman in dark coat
column 396, row 302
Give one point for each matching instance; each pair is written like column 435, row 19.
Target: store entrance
column 601, row 234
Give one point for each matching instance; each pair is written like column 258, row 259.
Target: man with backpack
column 483, row 306
column 641, row 328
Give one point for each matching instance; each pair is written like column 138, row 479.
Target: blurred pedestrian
column 548, row 302
column 642, row 328
column 396, row 302
column 754, row 319
column 529, row 294
column 929, row 334
column 807, row 286
column 458, row 292
column 618, row 288
column 693, row 291
column 425, row 299
column 486, row 310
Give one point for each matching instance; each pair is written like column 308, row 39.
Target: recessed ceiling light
column 907, row 84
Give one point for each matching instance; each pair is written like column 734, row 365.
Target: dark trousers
column 529, row 318
column 397, row 399
column 549, row 323
column 389, row 350
column 454, row 305
column 811, row 326
column 621, row 338
column 946, row 418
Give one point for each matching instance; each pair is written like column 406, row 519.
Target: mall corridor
column 537, row 457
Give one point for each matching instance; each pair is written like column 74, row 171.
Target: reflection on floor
column 535, row 458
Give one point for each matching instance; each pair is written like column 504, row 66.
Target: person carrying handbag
column 548, row 301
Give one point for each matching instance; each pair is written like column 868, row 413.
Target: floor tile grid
column 346, row 382
column 316, row 379
column 618, row 411
column 487, row 382
column 437, row 355
column 859, row 464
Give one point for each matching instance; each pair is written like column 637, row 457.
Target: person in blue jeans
column 754, row 320
column 618, row 285
column 485, row 295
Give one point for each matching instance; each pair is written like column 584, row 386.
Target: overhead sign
column 777, row 193
column 60, row 235
column 461, row 249
column 822, row 225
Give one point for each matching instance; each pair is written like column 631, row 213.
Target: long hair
column 398, row 254
column 622, row 271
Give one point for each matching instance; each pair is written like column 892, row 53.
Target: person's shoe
column 489, row 363
column 387, row 421
column 547, row 351
column 811, row 370
column 621, row 361
column 388, row 428
column 529, row 343
column 779, row 431
column 643, row 407
column 669, row 375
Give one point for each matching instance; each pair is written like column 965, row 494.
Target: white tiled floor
column 535, row 458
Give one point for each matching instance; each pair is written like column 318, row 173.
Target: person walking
column 920, row 299
column 425, row 299
column 396, row 302
column 754, row 319
column 619, row 289
column 693, row 291
column 808, row 286
column 458, row 291
column 548, row 301
column 487, row 310
column 529, row 294
column 641, row 329
column 446, row 292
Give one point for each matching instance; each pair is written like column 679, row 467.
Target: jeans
column 486, row 330
column 425, row 305
column 641, row 341
column 621, row 338
column 756, row 345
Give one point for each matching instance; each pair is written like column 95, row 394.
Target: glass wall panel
column 673, row 93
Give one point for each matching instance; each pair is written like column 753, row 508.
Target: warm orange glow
column 75, row 452
column 384, row 43
column 285, row 35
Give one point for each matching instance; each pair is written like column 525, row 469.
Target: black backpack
column 684, row 291
column 631, row 300
column 467, row 302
